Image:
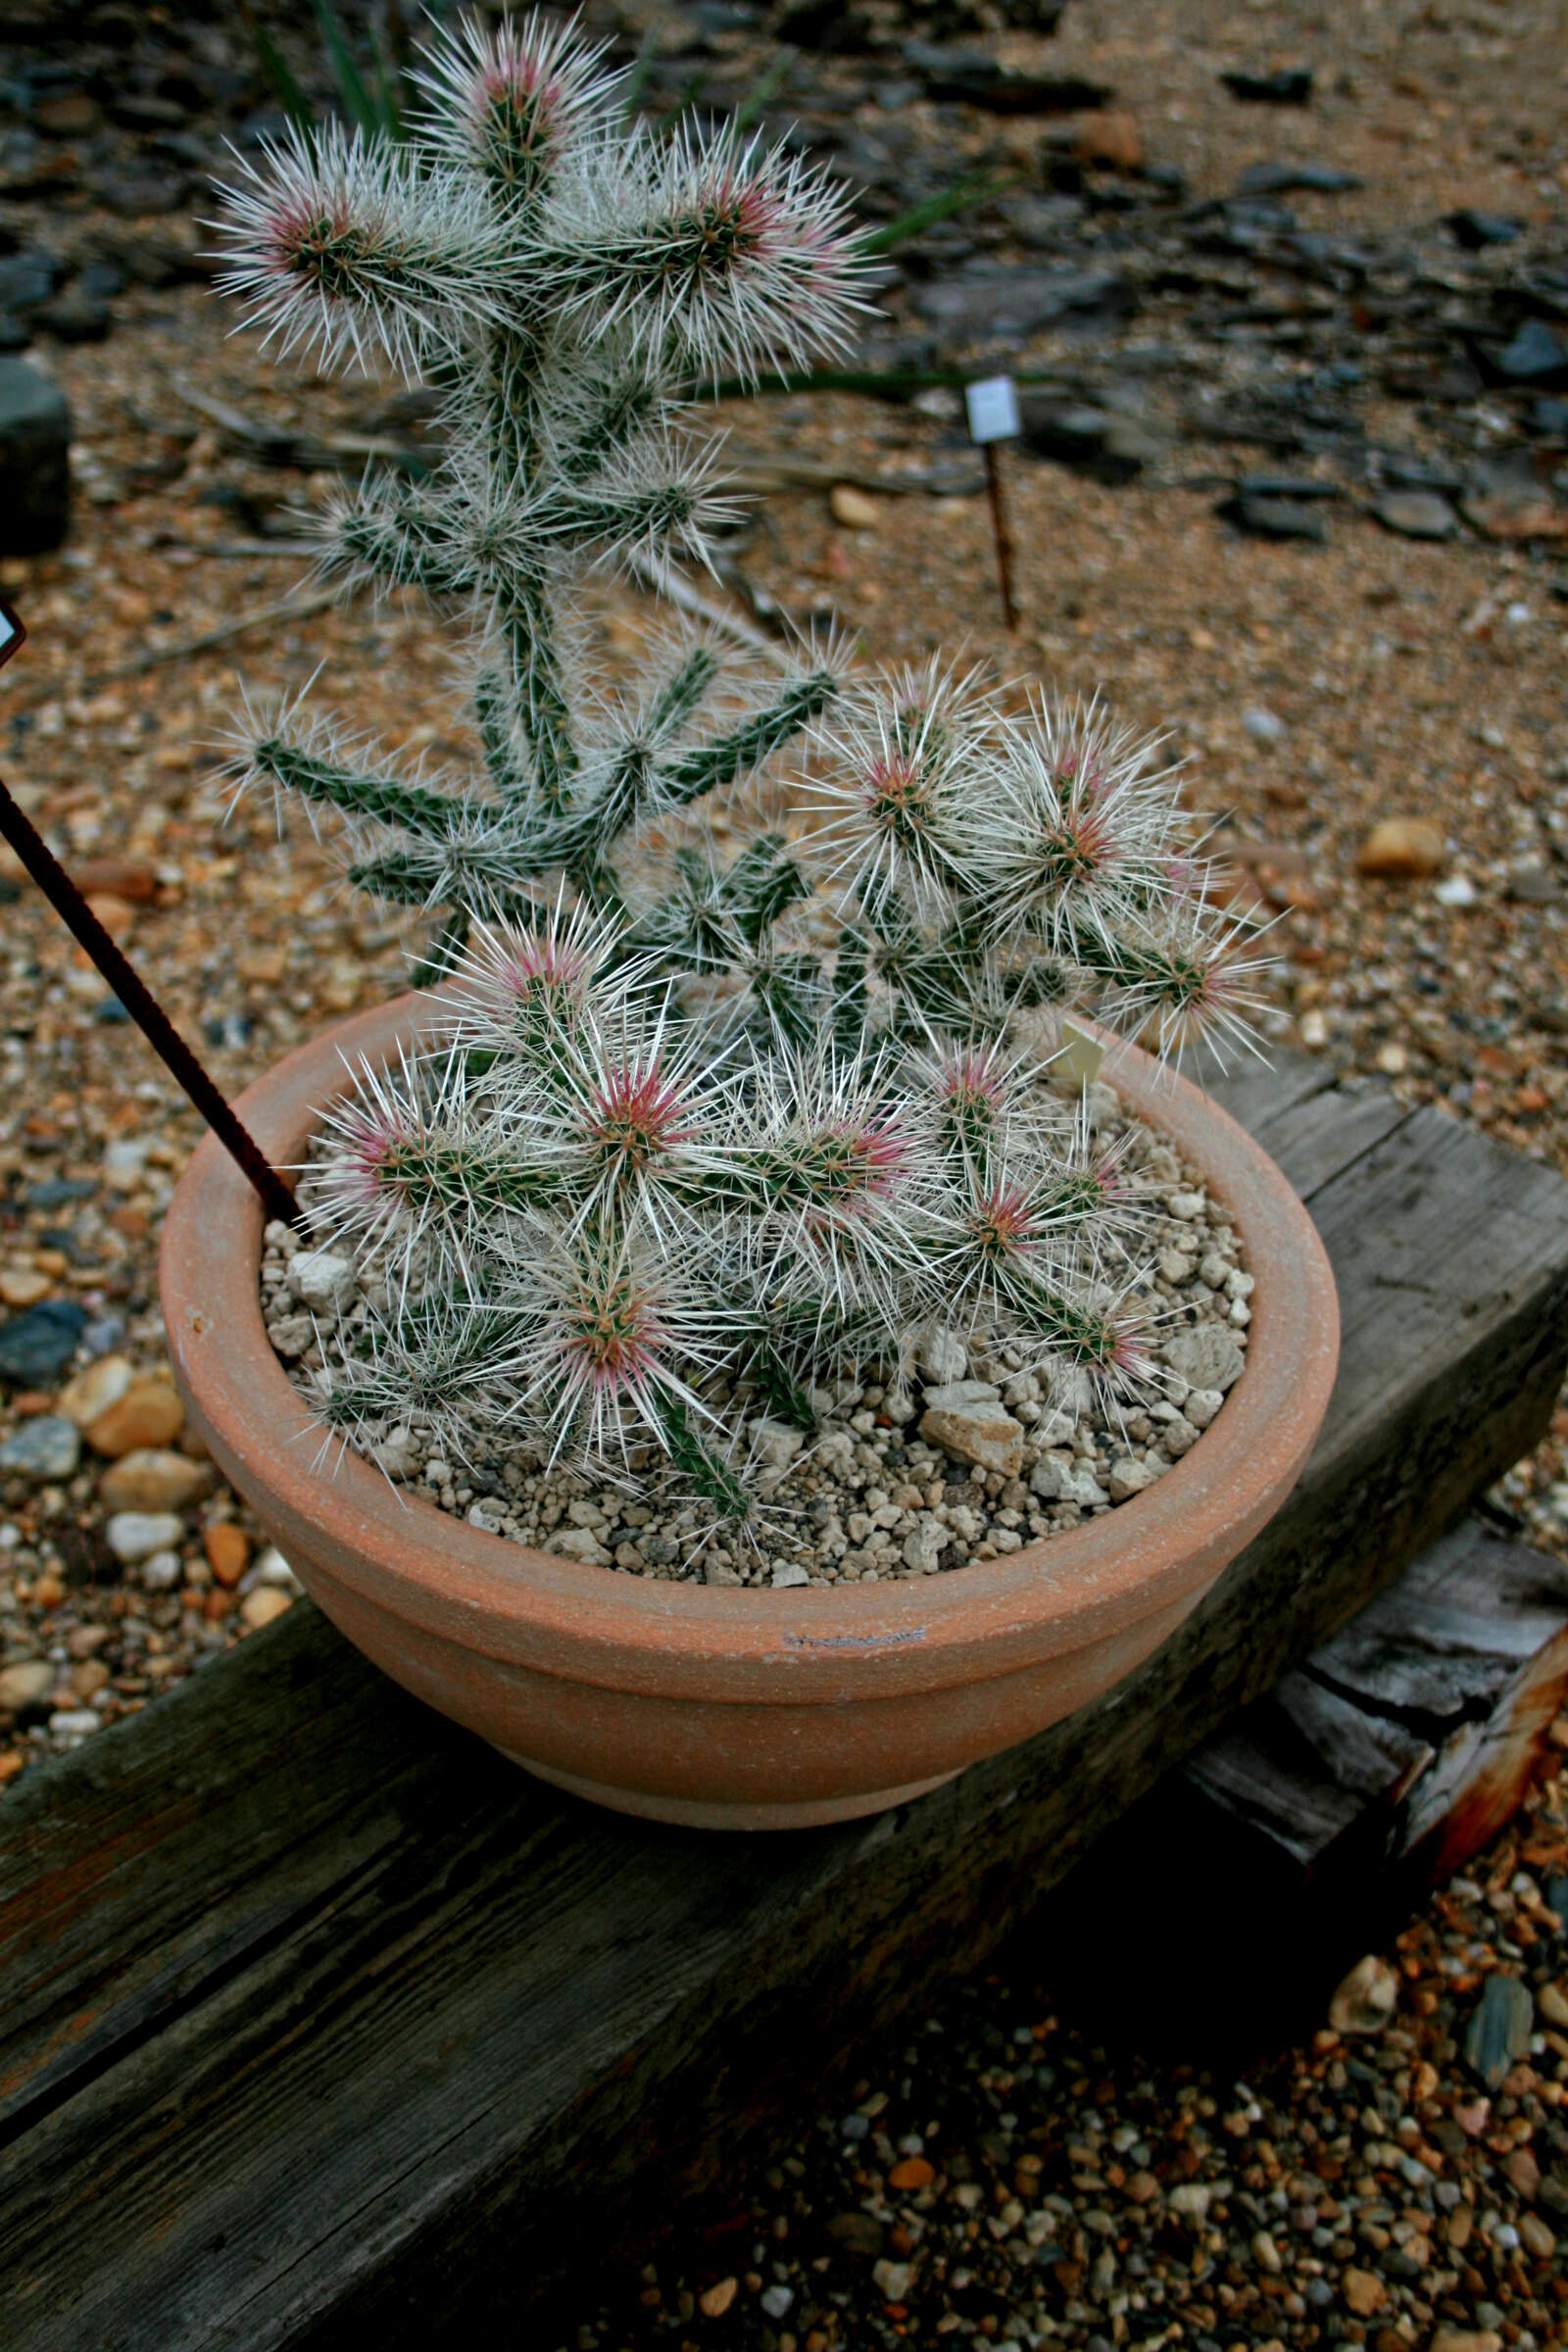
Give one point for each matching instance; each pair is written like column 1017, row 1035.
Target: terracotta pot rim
column 602, row 1626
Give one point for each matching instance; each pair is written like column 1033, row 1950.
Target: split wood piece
column 319, row 2021
column 1405, row 1743
column 1303, row 1838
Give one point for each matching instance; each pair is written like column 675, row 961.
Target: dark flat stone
column 34, row 465
column 75, row 317
column 1291, row 86
column 1473, row 229
column 1498, row 2033
column 26, row 281
column 1538, row 886
column 58, row 1192
column 134, row 194
column 1417, row 514
column 1286, row 485
column 1275, row 517
column 1019, row 302
column 1423, row 473
column 1280, row 180
column 826, row 25
column 1537, row 355
column 37, row 1345
column 1024, row 93
column 977, row 79
column 1095, row 441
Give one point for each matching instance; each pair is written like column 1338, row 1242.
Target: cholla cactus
column 693, row 1134
column 564, row 277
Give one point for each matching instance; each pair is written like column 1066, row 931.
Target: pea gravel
column 968, row 1457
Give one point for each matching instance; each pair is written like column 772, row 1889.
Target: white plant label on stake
column 992, row 406
column 1076, row 1062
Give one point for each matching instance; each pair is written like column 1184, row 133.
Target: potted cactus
column 678, row 1146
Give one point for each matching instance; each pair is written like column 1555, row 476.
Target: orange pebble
column 913, row 2173
column 228, row 1547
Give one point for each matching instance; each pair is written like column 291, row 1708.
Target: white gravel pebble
column 775, row 1443
column 136, row 1535
column 1130, row 1477
column 1207, row 1358
column 323, row 1281
column 957, row 1394
column 940, row 1354
column 75, row 1722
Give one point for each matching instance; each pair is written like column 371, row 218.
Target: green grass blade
column 683, row 104
column 961, row 198
column 279, row 73
column 765, row 88
column 356, row 101
column 637, row 81
column 388, row 104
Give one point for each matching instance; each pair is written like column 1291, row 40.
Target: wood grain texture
column 316, row 2019
column 1413, row 1730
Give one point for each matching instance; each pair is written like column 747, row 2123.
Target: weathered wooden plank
column 1470, row 1650
column 1304, row 1768
column 1416, row 1727
column 1321, row 1133
column 1254, row 1092
column 390, row 2092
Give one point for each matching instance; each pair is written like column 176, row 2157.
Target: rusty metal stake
column 1000, row 532
column 19, row 830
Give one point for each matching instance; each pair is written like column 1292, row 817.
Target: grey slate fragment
column 1280, row 180
column 27, row 279
column 1292, row 85
column 34, row 459
column 75, row 317
column 49, row 1447
column 1275, row 517
column 1498, row 2036
column 1536, row 356
column 1417, row 514
column 1474, row 230
column 1019, row 302
column 1286, row 485
column 1094, row 440
column 39, row 1345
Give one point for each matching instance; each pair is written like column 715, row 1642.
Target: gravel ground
column 1320, row 688
column 1007, row 2177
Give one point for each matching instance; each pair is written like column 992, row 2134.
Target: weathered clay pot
column 723, row 1708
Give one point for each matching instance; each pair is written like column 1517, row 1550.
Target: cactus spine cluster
column 694, row 1131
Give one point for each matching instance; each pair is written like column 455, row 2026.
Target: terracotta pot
column 724, row 1707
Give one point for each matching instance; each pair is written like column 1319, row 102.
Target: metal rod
column 998, row 526
column 19, row 830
